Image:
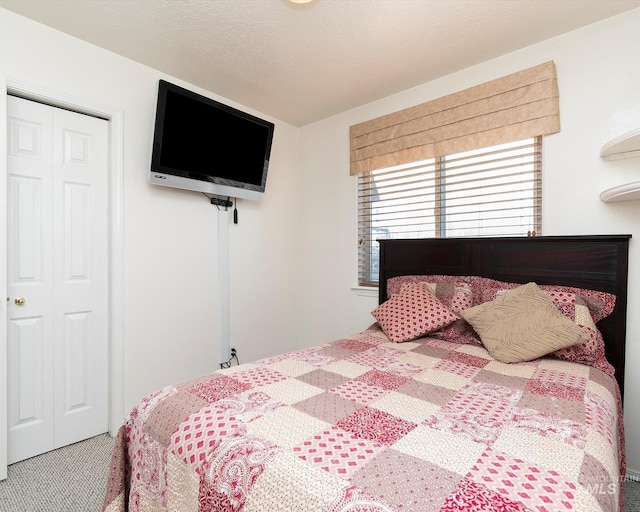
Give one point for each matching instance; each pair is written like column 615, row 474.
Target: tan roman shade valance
column 514, row 107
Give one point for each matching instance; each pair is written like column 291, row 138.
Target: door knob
column 19, row 301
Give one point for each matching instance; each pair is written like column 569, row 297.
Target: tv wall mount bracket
column 226, row 203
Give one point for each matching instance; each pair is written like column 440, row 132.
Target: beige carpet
column 73, row 478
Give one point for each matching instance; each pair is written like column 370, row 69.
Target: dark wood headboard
column 592, row 262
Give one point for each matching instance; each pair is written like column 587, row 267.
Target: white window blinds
column 493, row 191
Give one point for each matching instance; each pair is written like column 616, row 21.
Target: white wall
column 171, row 236
column 599, row 81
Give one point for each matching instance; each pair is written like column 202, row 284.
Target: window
column 493, row 191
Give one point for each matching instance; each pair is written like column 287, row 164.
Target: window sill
column 365, row 291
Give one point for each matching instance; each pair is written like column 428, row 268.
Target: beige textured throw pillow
column 522, row 325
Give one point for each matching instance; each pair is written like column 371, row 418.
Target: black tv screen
column 204, row 145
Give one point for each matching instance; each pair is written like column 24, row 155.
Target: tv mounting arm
column 217, row 201
column 226, row 204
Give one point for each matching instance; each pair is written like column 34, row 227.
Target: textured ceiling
column 303, row 63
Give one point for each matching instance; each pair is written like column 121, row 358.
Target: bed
column 439, row 408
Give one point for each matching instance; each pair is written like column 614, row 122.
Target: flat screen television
column 203, row 145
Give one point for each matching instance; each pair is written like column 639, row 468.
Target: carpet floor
column 70, row 479
column 73, row 479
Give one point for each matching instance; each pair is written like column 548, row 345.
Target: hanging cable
column 234, row 355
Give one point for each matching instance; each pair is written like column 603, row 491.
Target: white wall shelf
column 627, row 192
column 626, row 145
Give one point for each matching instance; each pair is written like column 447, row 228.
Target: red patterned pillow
column 591, row 350
column 395, row 284
column 457, row 296
column 600, row 304
column 455, row 292
column 412, row 313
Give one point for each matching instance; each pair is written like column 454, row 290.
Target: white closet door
column 57, row 277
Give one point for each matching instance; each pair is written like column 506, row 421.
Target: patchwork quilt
column 363, row 424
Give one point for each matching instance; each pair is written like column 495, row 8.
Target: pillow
column 591, row 350
column 457, row 296
column 600, row 304
column 584, row 307
column 412, row 313
column 454, row 295
column 522, row 325
column 395, row 284
column 455, row 292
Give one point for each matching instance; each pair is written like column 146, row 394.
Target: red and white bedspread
column 367, row 425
